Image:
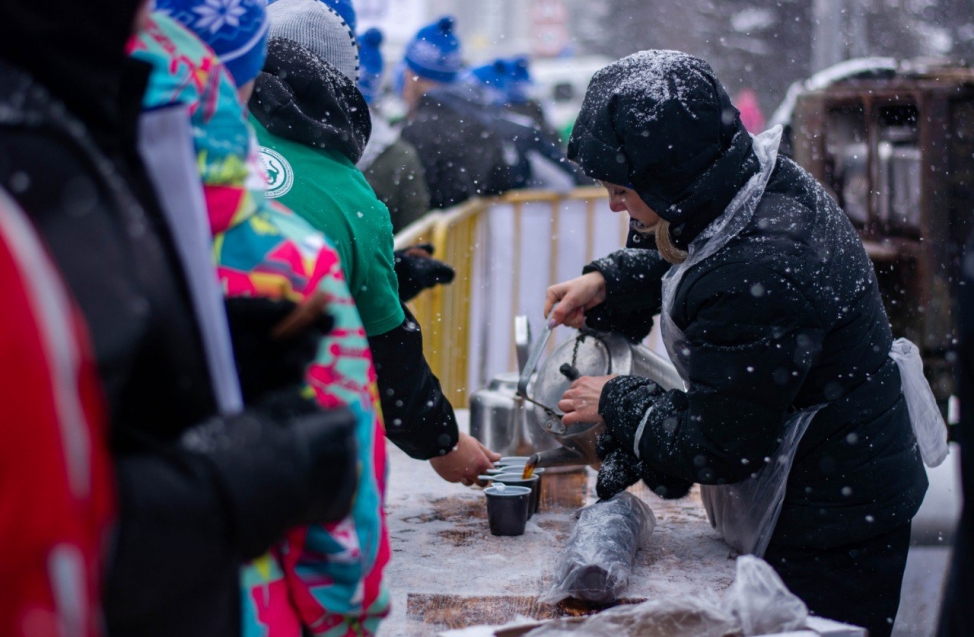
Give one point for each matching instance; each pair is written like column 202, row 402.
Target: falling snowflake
column 214, row 14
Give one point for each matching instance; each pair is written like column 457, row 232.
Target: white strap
column 639, row 431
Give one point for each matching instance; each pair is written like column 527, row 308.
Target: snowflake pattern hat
column 434, row 53
column 236, row 30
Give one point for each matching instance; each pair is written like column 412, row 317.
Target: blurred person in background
column 536, row 158
column 201, row 488
column 751, row 115
column 326, row 576
column 313, row 124
column 390, row 164
column 519, row 99
column 462, row 155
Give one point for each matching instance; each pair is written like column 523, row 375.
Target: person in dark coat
column 462, row 156
column 390, row 164
column 199, row 492
column 775, row 313
column 956, row 618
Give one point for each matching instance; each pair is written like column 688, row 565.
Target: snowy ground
column 441, row 546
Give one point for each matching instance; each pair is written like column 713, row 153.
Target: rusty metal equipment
column 897, row 153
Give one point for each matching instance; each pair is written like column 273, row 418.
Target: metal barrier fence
column 506, row 252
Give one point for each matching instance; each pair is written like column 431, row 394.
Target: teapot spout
column 559, row 457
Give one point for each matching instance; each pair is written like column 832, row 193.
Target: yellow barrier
column 444, row 312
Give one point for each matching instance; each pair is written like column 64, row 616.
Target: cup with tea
column 507, row 508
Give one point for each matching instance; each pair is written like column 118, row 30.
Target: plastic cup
column 514, row 479
column 507, row 509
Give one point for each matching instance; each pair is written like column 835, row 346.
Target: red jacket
column 56, row 490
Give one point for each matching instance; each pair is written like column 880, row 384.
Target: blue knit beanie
column 434, row 53
column 236, row 30
column 370, row 64
column 519, row 80
column 494, row 77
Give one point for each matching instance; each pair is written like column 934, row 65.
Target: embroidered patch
column 280, row 175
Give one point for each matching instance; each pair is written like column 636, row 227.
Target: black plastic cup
column 515, row 479
column 507, row 509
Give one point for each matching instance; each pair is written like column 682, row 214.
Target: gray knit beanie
column 317, row 27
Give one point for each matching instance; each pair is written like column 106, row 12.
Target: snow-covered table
column 448, row 571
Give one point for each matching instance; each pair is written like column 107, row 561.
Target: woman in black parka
column 776, row 312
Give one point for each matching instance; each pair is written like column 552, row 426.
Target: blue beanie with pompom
column 434, row 53
column 370, row 64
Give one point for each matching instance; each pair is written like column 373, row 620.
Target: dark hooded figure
column 772, row 314
column 198, row 492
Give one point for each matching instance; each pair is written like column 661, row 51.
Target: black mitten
column 665, row 486
column 266, row 363
column 417, row 273
column 278, row 473
column 620, row 418
column 619, row 470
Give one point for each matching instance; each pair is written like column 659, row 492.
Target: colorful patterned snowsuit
column 327, row 578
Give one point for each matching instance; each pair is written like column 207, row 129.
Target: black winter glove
column 620, row 467
column 281, row 464
column 619, row 470
column 266, row 363
column 416, row 272
column 640, row 394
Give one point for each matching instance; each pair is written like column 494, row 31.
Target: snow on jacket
column 325, row 577
column 56, row 481
column 787, row 315
column 462, row 157
column 316, row 122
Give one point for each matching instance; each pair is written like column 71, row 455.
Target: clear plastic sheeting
column 761, row 602
column 595, row 566
column 758, row 603
column 678, row 616
column 746, row 513
column 928, row 423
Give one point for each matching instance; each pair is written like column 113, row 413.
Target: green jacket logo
column 280, row 175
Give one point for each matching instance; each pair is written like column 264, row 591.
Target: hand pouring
column 588, row 354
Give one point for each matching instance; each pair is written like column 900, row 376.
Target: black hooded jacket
column 71, row 162
column 299, row 96
column 786, row 316
column 305, row 99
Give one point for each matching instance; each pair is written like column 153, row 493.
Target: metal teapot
column 528, row 423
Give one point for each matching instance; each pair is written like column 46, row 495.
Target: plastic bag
column 925, row 417
column 745, row 513
column 761, row 602
column 673, row 616
column 757, row 603
column 595, row 566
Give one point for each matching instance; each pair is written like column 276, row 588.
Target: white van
column 560, row 83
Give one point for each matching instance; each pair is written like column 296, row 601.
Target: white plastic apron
column 746, row 513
